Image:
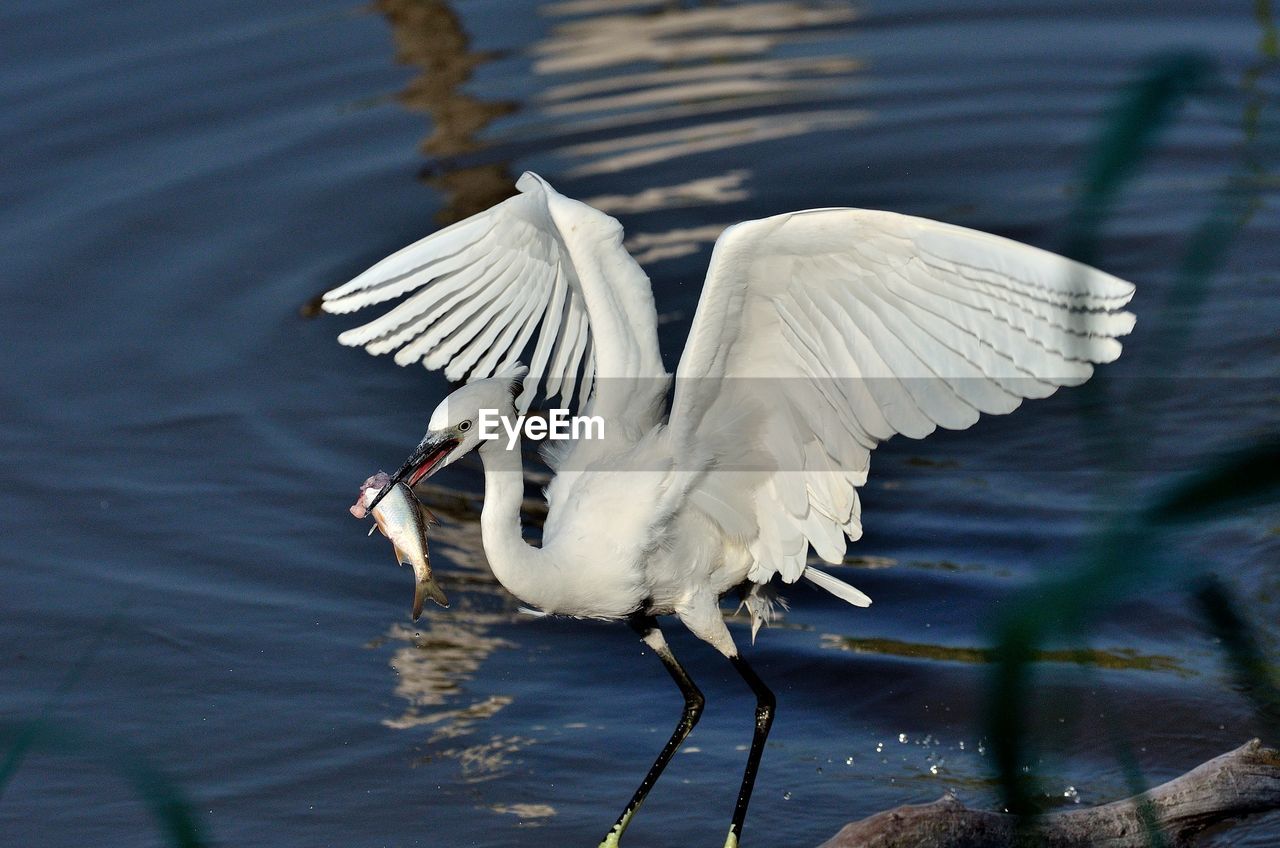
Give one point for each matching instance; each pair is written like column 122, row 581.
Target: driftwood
column 1242, row 782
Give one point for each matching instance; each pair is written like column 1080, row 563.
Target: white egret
column 819, row 334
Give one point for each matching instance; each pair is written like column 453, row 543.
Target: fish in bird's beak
column 404, row 521
column 424, row 460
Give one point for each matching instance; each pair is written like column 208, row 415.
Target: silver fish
column 403, row 520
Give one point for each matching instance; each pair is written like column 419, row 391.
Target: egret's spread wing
column 537, row 269
column 822, row 333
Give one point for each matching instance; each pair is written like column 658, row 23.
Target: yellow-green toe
column 614, row 839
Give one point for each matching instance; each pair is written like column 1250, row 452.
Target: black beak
column 420, row 463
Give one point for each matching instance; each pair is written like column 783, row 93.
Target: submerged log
column 1240, row 783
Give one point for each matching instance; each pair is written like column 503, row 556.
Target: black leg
column 647, row 627
column 765, row 704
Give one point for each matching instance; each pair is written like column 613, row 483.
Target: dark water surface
column 180, row 443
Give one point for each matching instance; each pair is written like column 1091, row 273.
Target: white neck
column 517, row 565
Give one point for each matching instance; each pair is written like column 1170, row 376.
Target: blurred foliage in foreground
column 47, row 734
column 1131, row 552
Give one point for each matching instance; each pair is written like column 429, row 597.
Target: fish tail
column 427, row 589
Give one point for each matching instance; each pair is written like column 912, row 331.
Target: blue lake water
column 180, row 441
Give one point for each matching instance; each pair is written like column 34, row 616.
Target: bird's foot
column 614, row 837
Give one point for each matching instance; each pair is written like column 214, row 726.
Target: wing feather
column 565, row 342
column 493, row 341
column 868, row 324
column 576, row 354
column 476, row 293
column 454, row 247
column 457, row 283
column 552, row 322
column 465, row 322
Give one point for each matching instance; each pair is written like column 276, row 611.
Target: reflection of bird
column 819, row 334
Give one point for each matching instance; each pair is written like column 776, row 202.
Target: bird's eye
column 464, row 426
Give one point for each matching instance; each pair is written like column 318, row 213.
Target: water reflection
column 706, row 191
column 429, row 35
column 1125, row 659
column 629, row 86
column 435, row 657
column 430, row 668
column 639, row 150
column 609, row 35
column 529, row 814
